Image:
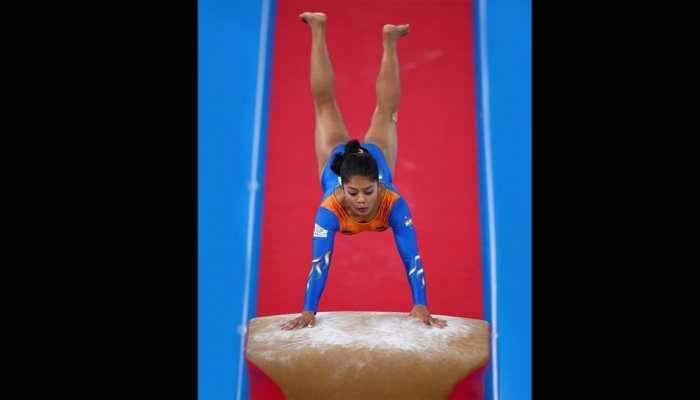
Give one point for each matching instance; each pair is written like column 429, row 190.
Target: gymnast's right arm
column 325, row 229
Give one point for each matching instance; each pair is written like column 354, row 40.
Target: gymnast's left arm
column 401, row 223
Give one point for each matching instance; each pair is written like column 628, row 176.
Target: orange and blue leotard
column 331, row 218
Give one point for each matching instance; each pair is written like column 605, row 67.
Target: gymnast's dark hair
column 356, row 160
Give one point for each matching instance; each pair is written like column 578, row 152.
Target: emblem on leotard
column 415, row 266
column 318, row 265
column 418, row 269
column 319, row 231
column 321, row 263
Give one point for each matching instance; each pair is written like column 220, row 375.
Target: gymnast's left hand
column 421, row 312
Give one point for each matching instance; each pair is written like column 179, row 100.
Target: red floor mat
column 436, row 170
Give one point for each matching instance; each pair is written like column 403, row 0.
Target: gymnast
column 356, row 179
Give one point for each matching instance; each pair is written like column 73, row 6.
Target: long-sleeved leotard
column 331, row 218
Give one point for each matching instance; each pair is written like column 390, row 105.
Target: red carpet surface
column 436, row 169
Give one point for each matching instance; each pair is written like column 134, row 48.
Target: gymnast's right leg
column 329, row 128
column 382, row 130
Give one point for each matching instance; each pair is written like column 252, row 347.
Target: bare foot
column 394, row 32
column 313, row 18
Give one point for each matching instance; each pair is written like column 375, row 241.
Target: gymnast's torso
column 332, row 199
column 349, row 225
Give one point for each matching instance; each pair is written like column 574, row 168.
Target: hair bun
column 352, row 147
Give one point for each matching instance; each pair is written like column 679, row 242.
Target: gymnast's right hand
column 305, row 319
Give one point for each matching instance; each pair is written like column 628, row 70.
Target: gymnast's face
column 361, row 194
